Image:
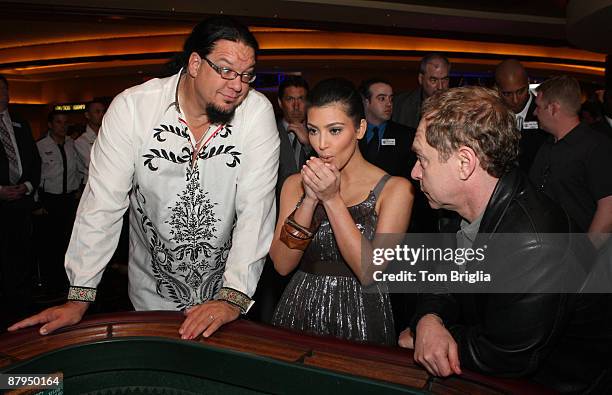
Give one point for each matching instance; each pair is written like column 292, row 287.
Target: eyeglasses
column 229, row 74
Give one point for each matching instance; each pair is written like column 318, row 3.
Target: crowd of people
column 219, row 191
column 39, row 200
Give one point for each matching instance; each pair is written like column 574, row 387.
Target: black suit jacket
column 28, row 154
column 397, row 159
column 286, row 162
column 407, row 108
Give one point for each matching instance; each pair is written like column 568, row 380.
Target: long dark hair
column 204, row 36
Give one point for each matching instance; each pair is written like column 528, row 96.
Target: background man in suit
column 513, row 86
column 294, row 148
column 294, row 151
column 433, row 77
column 386, row 144
column 19, row 175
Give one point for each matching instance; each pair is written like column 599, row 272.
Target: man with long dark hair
column 195, row 156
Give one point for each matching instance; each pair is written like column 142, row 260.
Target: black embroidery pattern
column 208, row 153
column 226, row 132
column 170, row 129
column 162, row 260
column 191, row 271
column 186, row 153
column 192, row 227
column 163, row 154
column 213, row 286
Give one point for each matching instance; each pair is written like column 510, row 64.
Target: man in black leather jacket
column 467, row 146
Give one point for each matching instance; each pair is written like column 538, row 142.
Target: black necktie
column 297, row 150
column 372, row 148
column 65, row 169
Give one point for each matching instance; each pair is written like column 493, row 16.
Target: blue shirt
column 370, row 131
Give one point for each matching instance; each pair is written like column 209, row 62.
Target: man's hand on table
column 54, row 317
column 434, row 347
column 207, row 318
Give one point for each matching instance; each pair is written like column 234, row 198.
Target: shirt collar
column 608, row 119
column 525, row 109
column 172, row 95
column 381, row 129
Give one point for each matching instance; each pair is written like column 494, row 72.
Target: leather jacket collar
column 508, row 186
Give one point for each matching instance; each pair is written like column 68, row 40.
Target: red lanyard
column 196, row 150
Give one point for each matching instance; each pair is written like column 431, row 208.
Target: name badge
column 387, row 142
column 531, row 125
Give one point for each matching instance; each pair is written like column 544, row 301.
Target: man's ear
column 555, row 107
column 420, row 78
column 194, row 63
column 363, row 126
column 468, row 162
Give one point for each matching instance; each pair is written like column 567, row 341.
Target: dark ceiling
column 38, row 37
column 506, row 21
column 550, row 8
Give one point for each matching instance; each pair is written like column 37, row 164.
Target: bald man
column 513, row 85
column 433, row 77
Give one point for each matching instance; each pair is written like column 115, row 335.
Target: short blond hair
column 564, row 90
column 474, row 117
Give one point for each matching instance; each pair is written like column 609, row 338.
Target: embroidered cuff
column 237, row 298
column 82, row 294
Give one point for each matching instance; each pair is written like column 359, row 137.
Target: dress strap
column 380, row 185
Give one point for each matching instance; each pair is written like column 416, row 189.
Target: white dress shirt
column 52, row 166
column 83, row 146
column 520, row 117
column 193, row 229
column 5, row 118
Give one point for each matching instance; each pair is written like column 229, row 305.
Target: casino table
column 141, row 353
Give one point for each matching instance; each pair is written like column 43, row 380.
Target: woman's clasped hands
column 321, row 180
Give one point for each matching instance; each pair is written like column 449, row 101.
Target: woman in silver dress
column 330, row 213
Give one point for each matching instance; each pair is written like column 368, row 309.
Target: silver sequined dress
column 324, row 297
